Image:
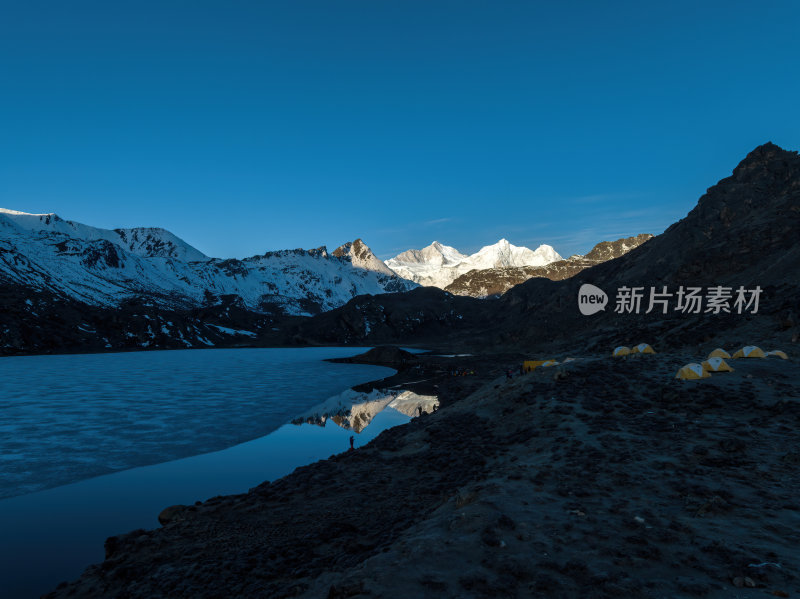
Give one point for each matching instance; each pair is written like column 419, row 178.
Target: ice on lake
column 65, row 418
column 169, row 426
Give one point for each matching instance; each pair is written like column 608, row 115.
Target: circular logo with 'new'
column 591, row 299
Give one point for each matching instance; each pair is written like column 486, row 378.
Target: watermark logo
column 687, row 300
column 591, row 299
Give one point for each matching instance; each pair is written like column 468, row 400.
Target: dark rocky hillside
column 422, row 316
column 743, row 232
column 35, row 321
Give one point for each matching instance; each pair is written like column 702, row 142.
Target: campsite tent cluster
column 531, row 365
column 716, row 362
column 642, row 348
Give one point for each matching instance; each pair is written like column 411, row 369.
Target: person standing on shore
column 351, row 442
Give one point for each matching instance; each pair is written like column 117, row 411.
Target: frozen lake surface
column 66, row 418
column 199, row 417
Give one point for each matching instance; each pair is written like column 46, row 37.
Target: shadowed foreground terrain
column 598, row 478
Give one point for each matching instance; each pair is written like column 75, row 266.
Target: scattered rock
column 171, row 514
column 744, row 582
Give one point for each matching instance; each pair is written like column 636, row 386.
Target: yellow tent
column 642, row 348
column 749, row 351
column 778, row 354
column 719, row 353
column 716, row 365
column 621, row 351
column 531, row 365
column 692, row 371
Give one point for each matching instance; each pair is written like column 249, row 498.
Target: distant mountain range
column 103, row 267
column 439, row 265
column 66, row 286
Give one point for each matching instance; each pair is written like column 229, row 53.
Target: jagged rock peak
column 766, row 157
column 608, row 250
column 360, row 256
column 357, row 249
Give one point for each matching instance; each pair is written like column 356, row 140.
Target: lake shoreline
column 34, row 524
column 658, row 481
column 93, row 414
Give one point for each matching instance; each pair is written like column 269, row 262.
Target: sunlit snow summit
column 439, row 265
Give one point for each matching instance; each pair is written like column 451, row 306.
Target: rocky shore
column 597, row 478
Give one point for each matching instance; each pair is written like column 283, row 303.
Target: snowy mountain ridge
column 143, row 241
column 104, row 267
column 438, row 265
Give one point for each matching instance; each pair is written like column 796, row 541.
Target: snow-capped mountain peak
column 449, row 255
column 434, row 254
column 439, row 265
column 503, row 253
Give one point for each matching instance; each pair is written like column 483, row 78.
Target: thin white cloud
column 436, row 221
column 599, row 198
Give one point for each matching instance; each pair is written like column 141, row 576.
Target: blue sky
column 250, row 126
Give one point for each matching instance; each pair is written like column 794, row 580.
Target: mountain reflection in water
column 353, row 410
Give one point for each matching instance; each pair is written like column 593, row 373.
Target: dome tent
column 621, row 351
column 531, row 365
column 692, row 371
column 749, row 351
column 778, row 354
column 642, row 348
column 716, row 364
column 719, row 353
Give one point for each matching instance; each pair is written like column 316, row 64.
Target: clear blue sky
column 249, row 126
